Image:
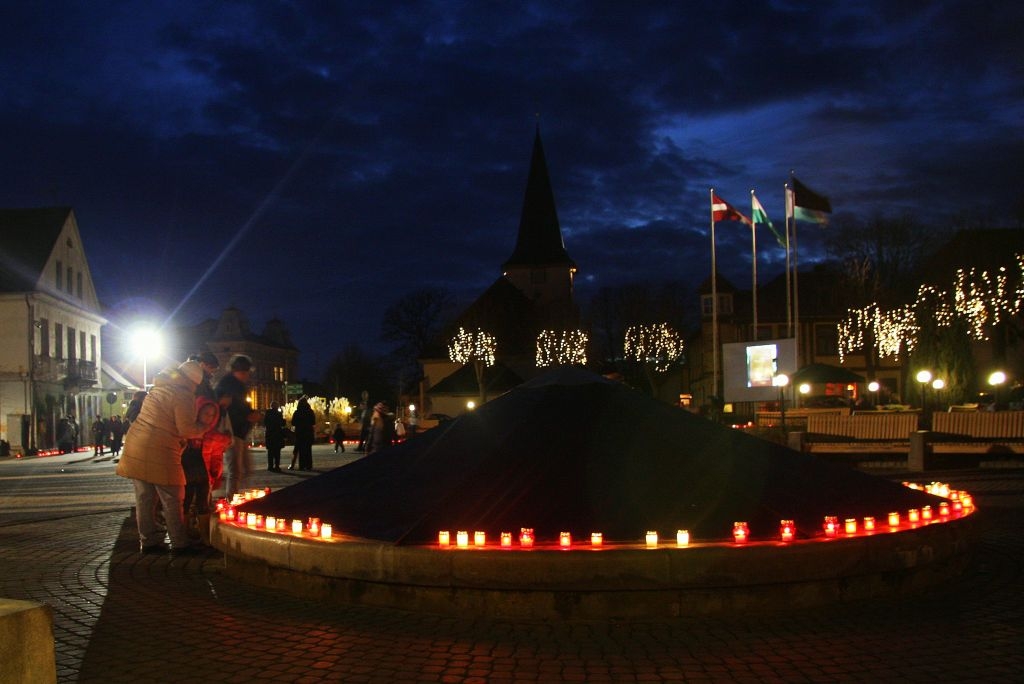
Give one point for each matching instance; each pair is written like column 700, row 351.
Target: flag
column 723, row 211
column 759, row 215
column 809, row 205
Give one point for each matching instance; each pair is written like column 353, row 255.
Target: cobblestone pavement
column 68, row 540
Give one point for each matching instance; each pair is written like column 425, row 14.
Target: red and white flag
column 723, row 211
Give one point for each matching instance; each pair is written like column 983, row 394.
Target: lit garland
column 339, row 409
column 981, row 300
column 565, row 348
column 469, row 346
column 657, row 344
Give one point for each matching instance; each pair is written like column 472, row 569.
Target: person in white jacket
column 152, row 456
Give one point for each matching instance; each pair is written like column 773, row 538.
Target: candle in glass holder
column 314, row 527
column 967, row 500
column 787, row 530
column 296, row 527
column 926, row 513
column 869, row 523
column 250, row 519
column 526, row 536
column 247, row 495
column 740, row 532
column 506, row 539
column 271, row 523
column 241, row 516
column 914, row 515
column 850, row 526
column 831, row 525
column 444, row 538
column 944, row 509
column 462, row 539
column 596, row 539
column 225, row 513
column 479, row 538
column 259, row 522
column 564, row 539
column 281, row 524
column 682, row 537
column 894, row 519
column 326, row 531
column 651, row 538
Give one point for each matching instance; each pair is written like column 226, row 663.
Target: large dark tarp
column 576, row 452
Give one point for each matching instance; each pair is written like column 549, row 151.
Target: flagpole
column 796, row 287
column 753, row 258
column 714, row 301
column 789, row 287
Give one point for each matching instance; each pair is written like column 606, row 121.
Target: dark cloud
column 314, row 161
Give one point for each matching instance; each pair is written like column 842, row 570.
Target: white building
column 50, row 323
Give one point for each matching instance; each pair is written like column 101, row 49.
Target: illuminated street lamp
column 874, row 386
column 924, row 377
column 938, row 384
column 996, row 379
column 147, row 342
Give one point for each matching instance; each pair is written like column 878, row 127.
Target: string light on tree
column 564, row 348
column 469, row 346
column 658, row 344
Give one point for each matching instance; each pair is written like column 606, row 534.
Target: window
column 69, row 283
column 60, row 276
column 81, row 345
column 724, row 305
column 92, row 348
column 826, row 340
column 58, row 341
column 72, row 352
column 44, row 337
column 79, row 284
column 278, row 374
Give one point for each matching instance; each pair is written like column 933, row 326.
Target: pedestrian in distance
column 274, row 426
column 116, row 429
column 99, row 435
column 304, row 424
column 382, row 429
column 339, row 438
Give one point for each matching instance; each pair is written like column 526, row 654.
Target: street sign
column 293, row 388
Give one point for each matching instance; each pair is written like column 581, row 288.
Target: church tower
column 539, row 266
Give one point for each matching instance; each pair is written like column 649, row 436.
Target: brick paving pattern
column 122, row 617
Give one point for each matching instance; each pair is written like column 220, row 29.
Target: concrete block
column 27, row 654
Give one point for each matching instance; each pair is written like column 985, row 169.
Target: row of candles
column 958, row 503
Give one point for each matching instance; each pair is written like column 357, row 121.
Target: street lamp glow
column 470, row 405
column 997, row 378
column 873, row 386
column 147, row 342
column 805, row 388
column 780, row 380
column 924, row 377
column 938, row 383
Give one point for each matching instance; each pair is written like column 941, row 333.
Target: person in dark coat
column 231, row 392
column 99, row 434
column 382, row 429
column 273, row 421
column 304, row 424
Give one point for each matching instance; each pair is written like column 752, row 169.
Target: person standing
column 152, row 457
column 273, row 422
column 230, row 393
column 99, row 434
column 382, row 429
column 116, row 429
column 339, row 438
column 304, row 423
column 209, row 363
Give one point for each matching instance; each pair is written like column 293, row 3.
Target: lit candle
column 894, row 519
column 958, row 506
column 914, row 515
column 506, row 539
column 247, row 496
column 271, row 523
column 479, row 538
column 281, row 523
column 869, row 523
column 296, row 527
column 926, row 513
column 652, row 539
column 462, row 539
column 740, row 532
column 224, row 513
column 266, row 490
column 326, row 530
column 250, row 519
column 444, row 538
column 596, row 539
column 564, row 539
column 526, row 536
column 787, row 530
column 314, row 527
column 944, row 509
column 967, row 500
column 851, row 526
column 831, row 525
column 240, row 516
column 682, row 537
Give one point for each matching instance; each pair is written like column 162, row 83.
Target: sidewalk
column 122, row 617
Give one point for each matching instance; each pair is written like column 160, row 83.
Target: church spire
column 540, row 235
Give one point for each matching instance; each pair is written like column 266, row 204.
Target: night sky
column 315, row 161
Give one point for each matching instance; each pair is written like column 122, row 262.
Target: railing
column 982, row 424
column 49, row 369
column 81, row 370
column 868, row 426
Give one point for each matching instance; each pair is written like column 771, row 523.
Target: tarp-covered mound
column 571, row 451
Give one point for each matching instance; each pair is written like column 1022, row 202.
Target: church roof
column 27, row 238
column 540, row 236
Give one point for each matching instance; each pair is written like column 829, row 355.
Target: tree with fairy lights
column 476, row 347
column 655, row 346
column 563, row 348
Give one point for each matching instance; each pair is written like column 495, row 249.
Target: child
column 339, row 439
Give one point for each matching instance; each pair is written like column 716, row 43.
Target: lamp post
column 805, row 389
column 938, row 384
column 780, row 381
column 996, row 379
column 873, row 387
column 146, row 341
column 924, row 377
